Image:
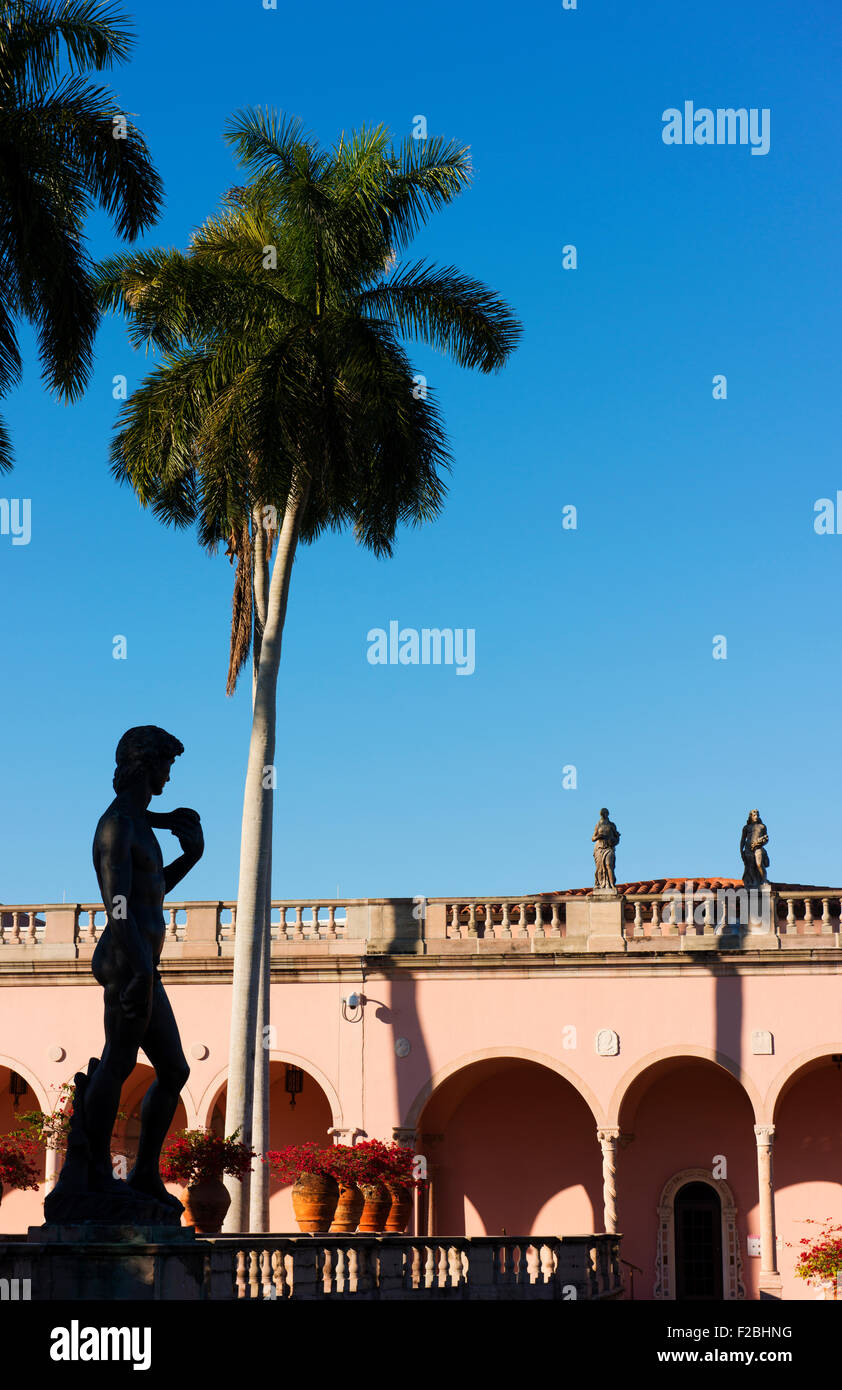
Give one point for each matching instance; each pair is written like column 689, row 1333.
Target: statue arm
column 187, row 828
column 114, row 871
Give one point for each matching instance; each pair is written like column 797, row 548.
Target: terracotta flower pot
column 378, row 1204
column 400, row 1209
column 315, row 1197
column 205, row 1205
column 348, row 1211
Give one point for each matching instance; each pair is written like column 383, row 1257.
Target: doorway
column 698, row 1244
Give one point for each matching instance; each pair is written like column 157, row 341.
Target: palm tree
column 285, row 395
column 64, row 147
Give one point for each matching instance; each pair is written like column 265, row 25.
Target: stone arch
column 733, row 1287
column 677, row 1053
column 210, row 1095
column 523, row 1054
column 33, row 1081
column 789, row 1073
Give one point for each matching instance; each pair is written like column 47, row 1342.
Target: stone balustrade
column 411, row 1267
column 688, row 916
column 77, row 1263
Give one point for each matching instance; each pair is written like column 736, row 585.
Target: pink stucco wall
column 503, row 1065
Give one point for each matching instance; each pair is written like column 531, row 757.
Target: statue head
column 146, row 751
column 754, row 815
column 603, row 814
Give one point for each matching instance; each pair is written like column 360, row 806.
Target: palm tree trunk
column 259, row 1192
column 255, row 844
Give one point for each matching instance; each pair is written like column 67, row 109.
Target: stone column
column 407, row 1137
column 51, row 1169
column 770, row 1279
column 608, row 1140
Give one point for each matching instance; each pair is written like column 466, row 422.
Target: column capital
column 405, row 1135
column 764, row 1134
column 609, row 1135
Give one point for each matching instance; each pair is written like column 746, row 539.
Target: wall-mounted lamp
column 353, row 1002
column 17, row 1087
column 294, row 1083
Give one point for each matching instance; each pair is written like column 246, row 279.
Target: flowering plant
column 192, row 1155
column 51, row 1131
column 386, row 1163
column 19, row 1166
column 823, row 1258
column 289, row 1163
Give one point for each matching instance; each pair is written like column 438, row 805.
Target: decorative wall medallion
column 762, row 1042
column 56, row 1053
column 403, row 1047
column 199, row 1051
column 607, row 1042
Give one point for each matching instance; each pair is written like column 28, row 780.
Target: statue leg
column 162, row 1046
column 102, row 1093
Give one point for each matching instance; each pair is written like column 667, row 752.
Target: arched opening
column 19, row 1209
column 511, row 1148
column 309, row 1118
column 685, row 1116
column 807, row 1158
column 698, row 1243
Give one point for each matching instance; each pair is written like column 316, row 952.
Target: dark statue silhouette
column 133, row 882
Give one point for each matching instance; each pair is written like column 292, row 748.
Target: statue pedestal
column 595, row 923
column 98, row 1261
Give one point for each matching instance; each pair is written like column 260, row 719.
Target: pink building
column 666, row 1063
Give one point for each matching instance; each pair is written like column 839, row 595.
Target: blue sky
column 594, row 647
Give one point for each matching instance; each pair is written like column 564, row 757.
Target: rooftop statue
column 754, row 856
column 133, row 881
column 605, row 838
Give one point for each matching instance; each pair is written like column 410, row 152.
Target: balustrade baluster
column 808, row 916
column 278, row 1274
column 454, row 1266
column 547, row 1263
column 30, row 931
column 265, row 1260
column 455, row 923
column 298, row 928
column 15, row 928
column 172, row 928
column 539, row 919
column 254, row 1275
column 506, row 925
column 353, row 1270
column 90, row 934
column 791, row 924
column 429, row 1266
column 241, row 1274
column 330, row 931
column 637, row 924
column 707, row 926
column 441, row 1279
column 472, row 919
column 655, row 924
column 328, row 1268
column 826, row 927
column 555, row 924
column 533, row 1264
